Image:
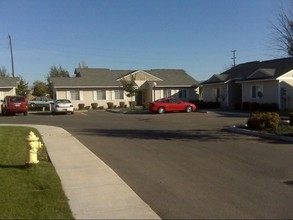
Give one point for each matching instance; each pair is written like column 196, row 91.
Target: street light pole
column 10, row 44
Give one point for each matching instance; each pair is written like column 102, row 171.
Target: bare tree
column 3, row 72
column 282, row 31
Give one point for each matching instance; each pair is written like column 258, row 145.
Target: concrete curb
column 236, row 129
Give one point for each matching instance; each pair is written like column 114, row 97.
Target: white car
column 62, row 106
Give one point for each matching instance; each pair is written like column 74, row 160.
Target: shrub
column 81, row 106
column 237, row 106
column 245, row 106
column 203, row 105
column 132, row 104
column 269, row 107
column 263, row 121
column 94, row 105
column 110, row 104
column 254, row 106
column 121, row 104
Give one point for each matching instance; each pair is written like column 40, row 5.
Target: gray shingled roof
column 270, row 69
column 8, row 82
column 91, row 77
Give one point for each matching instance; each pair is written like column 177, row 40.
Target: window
column 101, row 94
column 119, row 94
column 74, row 95
column 182, row 93
column 256, row 91
column 167, row 93
column 217, row 92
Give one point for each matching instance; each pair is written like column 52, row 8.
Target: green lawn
column 28, row 192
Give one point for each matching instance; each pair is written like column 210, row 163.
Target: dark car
column 171, row 105
column 14, row 104
column 41, row 101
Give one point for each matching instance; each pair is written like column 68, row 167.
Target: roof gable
column 8, row 82
column 140, row 75
column 270, row 69
column 262, row 73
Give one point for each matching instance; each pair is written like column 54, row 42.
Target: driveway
column 187, row 165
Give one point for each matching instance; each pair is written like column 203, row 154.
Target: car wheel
column 161, row 110
column 188, row 109
column 5, row 112
column 32, row 105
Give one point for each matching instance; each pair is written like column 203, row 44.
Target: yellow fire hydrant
column 34, row 146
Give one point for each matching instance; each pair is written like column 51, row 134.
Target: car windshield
column 17, row 99
column 169, row 100
column 63, row 101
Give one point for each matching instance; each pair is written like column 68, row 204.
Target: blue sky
column 195, row 35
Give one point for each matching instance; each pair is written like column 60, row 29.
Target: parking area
column 186, row 165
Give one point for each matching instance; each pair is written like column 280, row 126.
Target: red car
column 171, row 105
column 14, row 104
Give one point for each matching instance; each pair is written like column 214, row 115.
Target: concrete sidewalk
column 94, row 190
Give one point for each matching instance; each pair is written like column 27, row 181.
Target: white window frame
column 119, row 94
column 254, row 90
column 74, row 95
column 167, row 93
column 103, row 94
column 217, row 92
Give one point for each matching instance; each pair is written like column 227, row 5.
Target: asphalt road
column 187, row 165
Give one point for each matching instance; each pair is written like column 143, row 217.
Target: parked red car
column 14, row 104
column 171, row 105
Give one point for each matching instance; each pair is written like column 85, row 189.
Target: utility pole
column 234, row 58
column 10, row 45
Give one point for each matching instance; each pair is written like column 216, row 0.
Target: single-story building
column 268, row 81
column 96, row 85
column 8, row 86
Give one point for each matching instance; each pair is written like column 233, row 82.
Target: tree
column 3, row 72
column 55, row 72
column 129, row 87
column 282, row 31
column 40, row 88
column 22, row 88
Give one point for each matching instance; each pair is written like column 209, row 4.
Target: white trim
column 260, row 90
column 68, row 95
column 175, row 86
column 287, row 77
column 76, row 87
column 258, row 80
column 7, row 87
column 94, row 95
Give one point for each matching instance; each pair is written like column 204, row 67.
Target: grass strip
column 28, row 192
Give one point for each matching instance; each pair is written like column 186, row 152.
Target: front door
column 139, row 98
